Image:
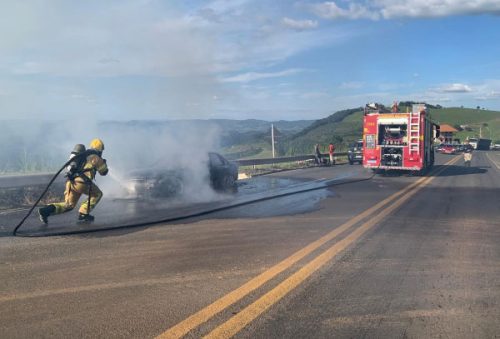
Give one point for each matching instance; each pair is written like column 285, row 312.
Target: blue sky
column 144, row 59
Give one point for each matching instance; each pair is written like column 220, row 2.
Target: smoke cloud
column 182, row 146
column 163, row 147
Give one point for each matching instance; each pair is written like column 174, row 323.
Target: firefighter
column 81, row 182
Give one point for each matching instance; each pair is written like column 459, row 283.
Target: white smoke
column 163, row 147
column 183, row 146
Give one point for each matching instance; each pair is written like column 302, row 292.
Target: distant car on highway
column 355, row 153
column 449, row 149
column 164, row 183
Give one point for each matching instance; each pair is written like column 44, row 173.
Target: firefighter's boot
column 45, row 212
column 85, row 217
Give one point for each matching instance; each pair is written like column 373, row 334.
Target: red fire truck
column 398, row 141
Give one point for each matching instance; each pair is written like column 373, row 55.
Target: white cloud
column 108, row 60
column 125, row 38
column 314, row 95
column 488, row 90
column 86, row 98
column 455, row 88
column 394, row 9
column 393, row 86
column 227, row 6
column 436, row 8
column 29, row 67
column 252, row 76
column 492, row 95
column 132, row 52
column 330, row 10
column 299, row 24
column 351, row 85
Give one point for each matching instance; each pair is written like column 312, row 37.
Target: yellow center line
column 251, row 312
column 200, row 317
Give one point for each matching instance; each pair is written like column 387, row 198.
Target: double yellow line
column 252, row 311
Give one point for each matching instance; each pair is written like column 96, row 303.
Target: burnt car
column 223, row 173
column 163, row 183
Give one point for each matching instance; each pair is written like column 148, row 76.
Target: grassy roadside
column 25, row 196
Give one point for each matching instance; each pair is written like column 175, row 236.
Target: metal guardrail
column 12, row 181
column 268, row 161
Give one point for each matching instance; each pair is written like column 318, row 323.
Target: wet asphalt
column 429, row 269
column 125, row 212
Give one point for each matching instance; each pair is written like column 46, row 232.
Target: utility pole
column 272, row 138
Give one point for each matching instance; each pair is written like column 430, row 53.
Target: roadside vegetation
column 344, row 127
column 26, row 196
column 470, row 122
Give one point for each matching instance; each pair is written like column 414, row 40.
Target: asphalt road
column 395, row 256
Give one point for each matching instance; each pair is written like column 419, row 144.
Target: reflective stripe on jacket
column 94, row 164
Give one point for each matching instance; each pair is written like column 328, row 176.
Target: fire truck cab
column 398, row 141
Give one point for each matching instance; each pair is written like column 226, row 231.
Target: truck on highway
column 396, row 140
column 479, row 143
column 472, row 142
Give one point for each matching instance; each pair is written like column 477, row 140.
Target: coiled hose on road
column 193, row 215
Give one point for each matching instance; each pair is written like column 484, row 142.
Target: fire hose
column 83, row 154
column 330, row 183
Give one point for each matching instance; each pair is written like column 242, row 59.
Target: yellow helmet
column 97, row 144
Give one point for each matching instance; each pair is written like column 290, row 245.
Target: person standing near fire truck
column 317, row 155
column 331, row 150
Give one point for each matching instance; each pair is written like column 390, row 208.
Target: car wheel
column 168, row 187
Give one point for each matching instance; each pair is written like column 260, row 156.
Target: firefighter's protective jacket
column 93, row 164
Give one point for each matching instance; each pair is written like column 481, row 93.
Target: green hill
column 340, row 128
column 345, row 126
column 476, row 119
